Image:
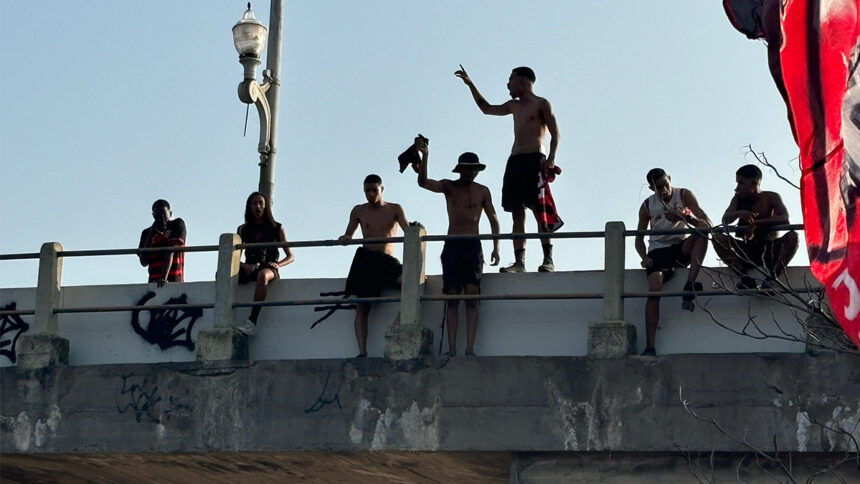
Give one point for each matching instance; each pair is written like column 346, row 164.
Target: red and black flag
column 813, row 52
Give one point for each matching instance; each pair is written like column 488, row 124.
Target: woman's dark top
column 259, row 233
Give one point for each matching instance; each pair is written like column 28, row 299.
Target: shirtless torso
column 530, row 125
column 378, row 219
column 533, row 115
column 465, row 200
column 759, row 211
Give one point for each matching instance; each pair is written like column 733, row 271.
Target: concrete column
column 40, row 347
column 223, row 342
column 613, row 272
column 410, row 339
column 226, row 280
column 613, row 336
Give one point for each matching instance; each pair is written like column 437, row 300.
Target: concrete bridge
column 557, row 395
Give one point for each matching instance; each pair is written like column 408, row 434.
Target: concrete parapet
column 42, row 350
column 407, row 341
column 221, row 344
column 611, row 339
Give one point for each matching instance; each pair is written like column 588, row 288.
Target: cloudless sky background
column 107, row 106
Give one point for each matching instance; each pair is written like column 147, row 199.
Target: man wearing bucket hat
column 463, row 259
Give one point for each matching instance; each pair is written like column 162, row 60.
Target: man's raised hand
column 462, row 75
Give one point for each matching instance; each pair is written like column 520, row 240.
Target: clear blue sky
column 107, row 106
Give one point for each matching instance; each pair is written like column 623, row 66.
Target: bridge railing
column 227, row 345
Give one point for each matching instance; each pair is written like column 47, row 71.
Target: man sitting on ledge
column 668, row 209
column 758, row 247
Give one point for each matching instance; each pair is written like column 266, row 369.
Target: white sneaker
column 247, row 328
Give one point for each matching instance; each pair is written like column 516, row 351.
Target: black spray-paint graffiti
column 140, row 400
column 11, row 327
column 322, row 401
column 331, row 308
column 164, row 324
column 145, row 403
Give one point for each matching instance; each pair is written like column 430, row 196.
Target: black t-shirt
column 259, row 233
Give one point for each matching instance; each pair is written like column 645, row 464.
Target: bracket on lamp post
column 251, row 92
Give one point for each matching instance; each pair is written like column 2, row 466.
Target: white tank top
column 657, row 212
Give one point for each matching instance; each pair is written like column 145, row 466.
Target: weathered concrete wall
column 465, row 404
column 507, row 328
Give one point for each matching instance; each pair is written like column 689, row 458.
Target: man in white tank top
column 668, row 209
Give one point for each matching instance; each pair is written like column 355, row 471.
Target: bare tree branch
column 762, row 160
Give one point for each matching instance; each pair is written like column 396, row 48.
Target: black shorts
column 667, row 258
column 370, row 272
column 246, row 276
column 752, row 253
column 462, row 264
column 520, row 185
column 757, row 252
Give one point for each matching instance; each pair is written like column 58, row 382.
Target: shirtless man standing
column 462, row 260
column 758, row 247
column 533, row 117
column 373, row 266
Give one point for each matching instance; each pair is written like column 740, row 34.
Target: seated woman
column 262, row 264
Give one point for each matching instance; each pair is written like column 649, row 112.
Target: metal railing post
column 222, row 342
column 40, row 347
column 613, row 337
column 410, row 339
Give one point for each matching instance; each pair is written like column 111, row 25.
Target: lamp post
column 249, row 37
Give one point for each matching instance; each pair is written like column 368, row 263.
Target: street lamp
column 249, row 38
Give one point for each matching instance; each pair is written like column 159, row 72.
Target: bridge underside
column 533, row 419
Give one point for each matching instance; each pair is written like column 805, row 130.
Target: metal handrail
column 444, row 297
column 26, row 255
column 319, row 301
column 372, row 300
column 147, row 250
column 108, row 309
column 716, row 228
column 386, row 240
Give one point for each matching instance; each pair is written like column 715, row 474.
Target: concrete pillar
column 612, row 337
column 226, row 280
column 613, row 272
column 410, row 339
column 40, row 347
column 223, row 342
